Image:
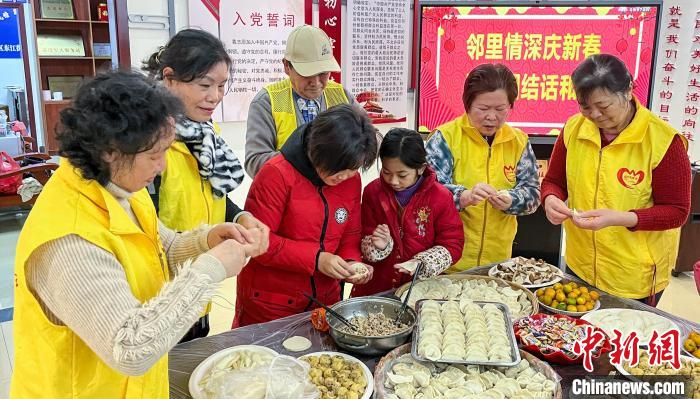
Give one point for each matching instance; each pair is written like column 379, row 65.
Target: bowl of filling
column 376, row 331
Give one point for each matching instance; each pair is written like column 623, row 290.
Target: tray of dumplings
column 399, row 376
column 464, row 332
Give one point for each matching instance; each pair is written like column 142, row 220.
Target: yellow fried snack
column 337, row 377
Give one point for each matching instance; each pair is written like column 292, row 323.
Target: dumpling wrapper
column 296, row 344
column 503, row 193
column 409, row 265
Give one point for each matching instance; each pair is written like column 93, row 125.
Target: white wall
column 681, row 75
column 144, row 42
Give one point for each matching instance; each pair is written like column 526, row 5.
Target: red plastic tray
column 559, row 357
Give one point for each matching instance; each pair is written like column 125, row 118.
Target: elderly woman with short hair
column 104, row 290
column 627, row 174
column 488, row 165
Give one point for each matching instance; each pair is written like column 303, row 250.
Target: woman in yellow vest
column 488, row 166
column 626, row 175
column 201, row 168
column 103, row 289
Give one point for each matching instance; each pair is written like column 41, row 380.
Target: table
column 185, row 357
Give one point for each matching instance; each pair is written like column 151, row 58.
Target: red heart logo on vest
column 509, row 172
column 629, row 178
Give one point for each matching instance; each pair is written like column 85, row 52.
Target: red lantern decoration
column 449, row 45
column 425, row 54
column 645, row 56
column 621, row 45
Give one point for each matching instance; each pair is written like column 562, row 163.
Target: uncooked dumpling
column 359, row 269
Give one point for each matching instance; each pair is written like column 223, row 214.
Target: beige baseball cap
column 310, row 52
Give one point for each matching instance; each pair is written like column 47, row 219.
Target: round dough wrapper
column 296, row 344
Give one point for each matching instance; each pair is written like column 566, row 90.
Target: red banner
column 329, row 21
column 309, row 12
column 541, row 45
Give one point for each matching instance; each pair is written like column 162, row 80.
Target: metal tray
column 514, row 352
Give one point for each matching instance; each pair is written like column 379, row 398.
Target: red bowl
column 559, row 357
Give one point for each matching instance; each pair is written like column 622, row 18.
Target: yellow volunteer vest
column 488, row 232
column 52, row 361
column 284, row 112
column 614, row 259
column 185, row 199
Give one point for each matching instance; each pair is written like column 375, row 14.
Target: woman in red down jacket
column 407, row 217
column 309, row 196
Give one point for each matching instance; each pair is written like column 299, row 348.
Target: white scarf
column 217, row 162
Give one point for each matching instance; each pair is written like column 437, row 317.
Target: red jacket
column 305, row 217
column 442, row 227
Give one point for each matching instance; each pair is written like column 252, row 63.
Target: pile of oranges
column 692, row 344
column 569, row 297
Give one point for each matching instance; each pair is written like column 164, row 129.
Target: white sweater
column 82, row 286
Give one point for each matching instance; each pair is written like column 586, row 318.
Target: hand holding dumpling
column 502, row 200
column 408, row 267
column 362, row 273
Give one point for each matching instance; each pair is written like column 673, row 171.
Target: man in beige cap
column 278, row 109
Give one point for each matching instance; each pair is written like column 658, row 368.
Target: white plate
column 209, row 362
column 683, row 349
column 573, row 314
column 622, row 370
column 493, row 270
column 628, row 320
column 368, row 374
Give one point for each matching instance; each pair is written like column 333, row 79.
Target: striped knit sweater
column 84, row 287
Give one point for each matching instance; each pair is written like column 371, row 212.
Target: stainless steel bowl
column 363, row 306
